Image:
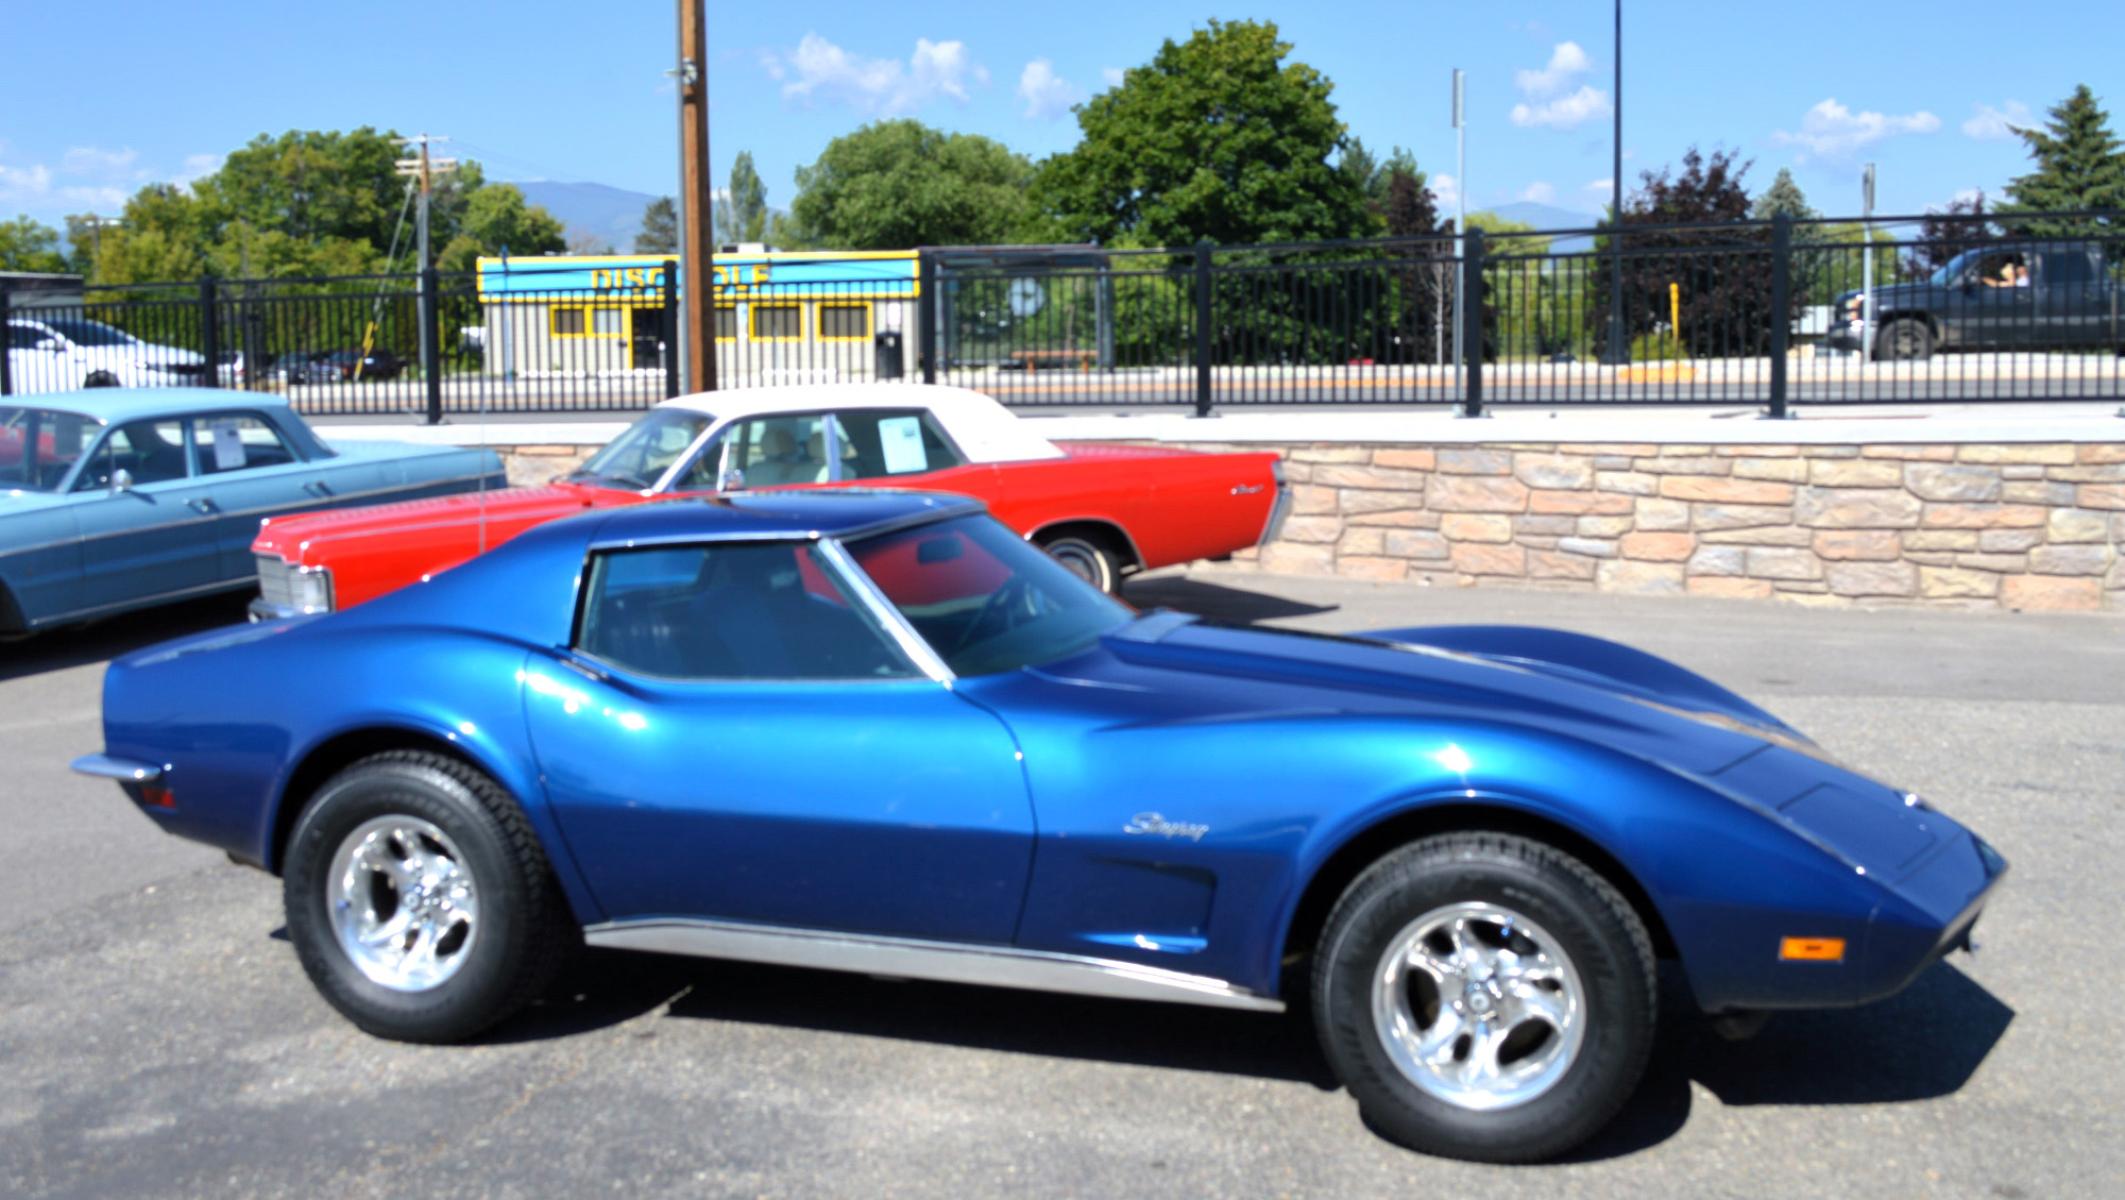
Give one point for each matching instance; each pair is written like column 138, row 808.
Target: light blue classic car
column 116, row 499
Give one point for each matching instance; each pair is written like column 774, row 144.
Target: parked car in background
column 1104, row 511
column 353, row 365
column 113, row 500
column 2004, row 296
column 879, row 732
column 55, row 353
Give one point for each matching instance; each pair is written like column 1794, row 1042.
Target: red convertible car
column 1104, row 511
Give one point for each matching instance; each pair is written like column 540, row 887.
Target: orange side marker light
column 1815, row 949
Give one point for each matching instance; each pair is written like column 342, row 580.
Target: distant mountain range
column 593, row 212
column 1549, row 216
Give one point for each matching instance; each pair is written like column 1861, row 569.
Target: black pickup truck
column 2063, row 296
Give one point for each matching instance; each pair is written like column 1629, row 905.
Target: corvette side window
column 730, row 611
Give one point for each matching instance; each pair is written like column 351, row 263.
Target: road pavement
column 157, row 1037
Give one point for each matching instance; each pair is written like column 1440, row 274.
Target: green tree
column 27, row 245
column 660, row 228
column 741, row 215
column 307, row 204
column 1217, row 138
column 2078, row 166
column 1783, row 199
column 894, row 185
column 496, row 216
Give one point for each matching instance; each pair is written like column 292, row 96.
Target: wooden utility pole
column 697, row 241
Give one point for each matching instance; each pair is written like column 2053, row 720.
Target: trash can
column 887, row 362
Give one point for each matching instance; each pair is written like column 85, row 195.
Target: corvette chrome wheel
column 404, row 905
column 1478, row 1006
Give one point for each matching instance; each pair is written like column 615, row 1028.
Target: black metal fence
column 1768, row 314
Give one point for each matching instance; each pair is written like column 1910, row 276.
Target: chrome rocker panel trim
column 949, row 962
column 125, row 770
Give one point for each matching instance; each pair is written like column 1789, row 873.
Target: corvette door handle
column 1246, row 489
column 203, row 504
column 318, row 487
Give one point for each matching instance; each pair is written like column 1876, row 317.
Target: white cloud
column 820, row 70
column 1046, row 94
column 1564, row 112
column 1112, row 76
column 88, row 179
column 1997, row 124
column 1539, row 192
column 1448, row 190
column 1566, row 63
column 198, row 165
column 1548, row 98
column 92, row 160
column 1831, row 130
column 1605, row 186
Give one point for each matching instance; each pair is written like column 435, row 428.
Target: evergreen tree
column 1783, row 199
column 660, row 228
column 2078, row 166
column 741, row 215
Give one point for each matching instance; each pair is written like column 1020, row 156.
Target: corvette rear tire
column 1485, row 996
column 420, row 901
column 1087, row 558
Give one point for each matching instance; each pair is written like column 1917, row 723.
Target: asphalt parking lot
column 158, row 1038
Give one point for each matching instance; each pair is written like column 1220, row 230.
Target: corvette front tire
column 1485, row 996
column 419, row 900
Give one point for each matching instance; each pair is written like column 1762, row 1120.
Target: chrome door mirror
column 121, row 481
column 731, row 480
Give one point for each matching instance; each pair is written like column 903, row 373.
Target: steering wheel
column 1018, row 589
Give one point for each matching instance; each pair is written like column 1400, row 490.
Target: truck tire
column 1907, row 339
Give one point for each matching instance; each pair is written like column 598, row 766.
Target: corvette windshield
column 38, row 447
column 983, row 598
column 646, row 449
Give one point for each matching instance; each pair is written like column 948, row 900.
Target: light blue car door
column 732, row 740
column 154, row 540
column 253, row 472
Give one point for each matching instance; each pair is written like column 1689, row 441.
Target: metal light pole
column 1619, row 344
column 1866, row 266
column 1460, row 199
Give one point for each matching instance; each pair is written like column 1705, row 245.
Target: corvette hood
column 1558, row 681
column 302, row 539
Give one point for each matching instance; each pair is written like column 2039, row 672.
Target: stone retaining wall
column 2031, row 526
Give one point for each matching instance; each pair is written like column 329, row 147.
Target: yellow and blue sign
column 780, row 275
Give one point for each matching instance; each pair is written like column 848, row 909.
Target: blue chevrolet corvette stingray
column 879, row 732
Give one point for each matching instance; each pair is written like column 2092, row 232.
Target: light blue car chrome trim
column 125, row 770
column 949, row 962
column 83, row 614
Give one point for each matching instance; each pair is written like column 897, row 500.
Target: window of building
column 726, row 323
column 777, row 322
column 566, row 322
column 844, row 322
column 730, row 611
column 608, row 322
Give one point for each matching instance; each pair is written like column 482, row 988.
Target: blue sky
column 539, row 89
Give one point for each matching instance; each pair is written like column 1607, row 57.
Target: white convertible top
column 984, row 430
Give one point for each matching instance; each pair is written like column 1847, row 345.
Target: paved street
column 157, row 1037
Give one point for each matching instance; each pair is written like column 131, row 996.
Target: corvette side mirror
column 121, row 481
column 732, row 480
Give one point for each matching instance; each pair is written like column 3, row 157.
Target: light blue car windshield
column 38, row 446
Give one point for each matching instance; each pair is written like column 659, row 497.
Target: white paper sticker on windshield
column 228, row 447
column 901, row 438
